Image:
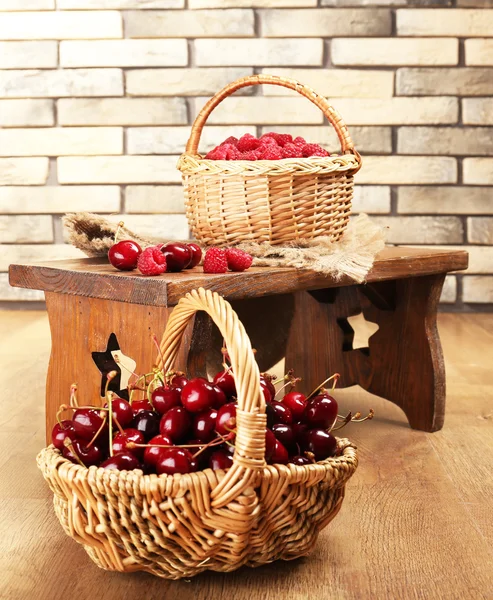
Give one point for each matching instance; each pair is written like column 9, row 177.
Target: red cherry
column 196, row 254
column 226, row 418
column 321, row 412
column 86, row 423
column 60, row 431
column 284, row 433
column 124, row 255
column 178, row 382
column 120, row 442
column 122, row 411
column 280, row 455
column 220, row 459
column 226, row 381
column 125, row 461
column 153, row 453
column 203, row 458
column 268, row 390
column 204, row 425
column 176, row 460
column 300, row 460
column 198, row 395
column 138, row 405
column 164, row 398
column 178, row 256
column 89, row 456
column 270, row 444
column 271, row 415
column 220, row 397
column 175, row 424
column 282, row 414
column 321, row 443
column 296, row 402
column 147, row 422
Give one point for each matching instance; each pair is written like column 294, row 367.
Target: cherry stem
column 73, row 396
column 347, row 419
column 120, row 364
column 120, row 225
column 96, row 435
column 159, row 351
column 109, row 398
column 67, row 442
column 368, row 417
column 291, row 382
column 120, row 428
column 336, row 376
column 109, row 378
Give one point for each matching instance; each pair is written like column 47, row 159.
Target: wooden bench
column 289, row 313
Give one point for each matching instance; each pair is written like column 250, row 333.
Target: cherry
column 198, row 395
column 321, row 443
column 284, row 433
column 196, row 255
column 226, row 381
column 204, row 425
column 89, row 456
column 125, row 461
column 138, row 405
column 220, row 398
column 175, row 460
column 86, row 423
column 282, row 414
column 268, row 389
column 60, row 431
column 164, row 398
column 175, row 424
column 220, row 459
column 321, row 412
column 226, row 418
column 203, row 458
column 178, row 382
column 122, row 411
column 300, row 460
column 120, row 442
column 270, row 444
column 178, row 256
column 153, row 453
column 271, row 415
column 147, row 422
column 299, row 431
column 280, row 454
column 296, row 402
column 124, row 255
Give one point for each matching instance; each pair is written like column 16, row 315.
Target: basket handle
column 251, row 420
column 330, row 112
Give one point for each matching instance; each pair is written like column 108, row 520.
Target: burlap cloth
column 352, row 256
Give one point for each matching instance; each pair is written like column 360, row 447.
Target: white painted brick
column 160, row 227
column 118, row 169
column 386, row 2
column 445, row 21
column 477, row 111
column 183, row 23
column 122, row 111
column 478, row 171
column 31, row 253
column 26, row 229
column 56, row 83
column 407, row 170
column 448, row 82
column 59, row 25
column 422, row 230
column 61, row 141
column 116, row 4
column 325, row 22
column 24, row 171
column 449, row 290
column 479, row 52
column 18, row 5
column 371, row 199
column 153, row 199
column 55, row 199
column 258, row 109
column 182, row 82
column 477, row 289
column 258, row 52
column 200, row 4
column 444, row 199
column 394, row 51
column 375, row 140
column 349, row 83
column 11, row 294
column 21, row 113
column 480, row 257
column 172, row 140
column 124, row 53
column 456, row 141
column 480, row 230
column 28, row 55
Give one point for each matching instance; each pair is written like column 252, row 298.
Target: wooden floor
column 417, row 521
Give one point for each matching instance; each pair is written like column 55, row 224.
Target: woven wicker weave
column 276, row 201
column 177, row 526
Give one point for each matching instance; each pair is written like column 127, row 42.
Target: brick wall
column 97, row 98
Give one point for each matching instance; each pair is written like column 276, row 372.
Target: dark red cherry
column 282, row 414
column 226, row 381
column 284, row 433
column 198, row 395
column 60, row 431
column 271, row 415
column 196, row 254
column 147, row 422
column 120, row 442
column 124, row 255
column 219, row 398
column 321, row 412
column 300, row 461
column 89, row 456
column 164, row 398
column 321, row 443
column 153, row 453
column 125, row 461
column 267, row 387
column 178, row 382
column 176, row 460
column 220, row 459
column 204, row 425
column 203, row 458
column 270, row 444
column 138, row 405
column 280, row 455
column 296, row 402
column 178, row 256
column 176, row 424
column 86, row 423
column 226, row 419
column 122, row 411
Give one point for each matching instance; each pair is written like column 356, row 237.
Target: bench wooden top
column 96, row 278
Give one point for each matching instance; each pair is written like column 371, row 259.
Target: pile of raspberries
column 270, row 146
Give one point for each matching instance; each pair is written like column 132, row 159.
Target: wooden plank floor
column 416, row 522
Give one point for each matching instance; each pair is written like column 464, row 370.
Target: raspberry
column 272, row 153
column 216, row 154
column 231, row 140
column 232, row 152
column 291, row 151
column 314, row 150
column 267, row 140
column 215, row 261
column 280, row 138
column 238, row 260
column 152, row 261
column 247, row 142
column 299, row 141
column 251, row 155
